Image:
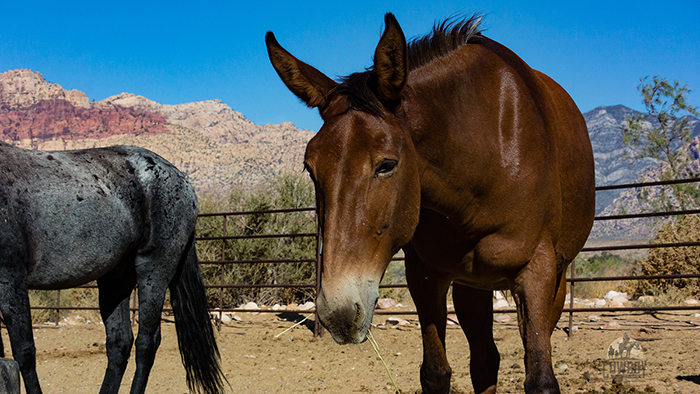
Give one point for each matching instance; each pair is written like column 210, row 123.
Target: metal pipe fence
column 223, row 262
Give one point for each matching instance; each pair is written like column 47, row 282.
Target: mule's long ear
column 390, row 62
column 307, row 83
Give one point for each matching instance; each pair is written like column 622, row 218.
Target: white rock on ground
column 306, row 306
column 500, row 304
column 501, row 318
column 385, row 303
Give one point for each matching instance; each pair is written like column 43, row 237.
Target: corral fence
column 223, row 262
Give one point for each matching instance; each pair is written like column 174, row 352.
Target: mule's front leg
column 429, row 292
column 534, row 292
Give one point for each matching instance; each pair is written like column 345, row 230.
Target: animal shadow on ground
column 690, row 378
column 296, row 318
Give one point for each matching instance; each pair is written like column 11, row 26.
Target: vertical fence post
column 571, row 299
column 221, row 289
column 318, row 328
column 58, row 307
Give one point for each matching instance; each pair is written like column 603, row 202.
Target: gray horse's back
column 75, row 215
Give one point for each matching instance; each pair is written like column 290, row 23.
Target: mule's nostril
column 358, row 314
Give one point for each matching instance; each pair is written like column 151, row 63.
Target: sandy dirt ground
column 71, row 359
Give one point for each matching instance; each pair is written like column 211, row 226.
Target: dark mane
column 446, row 37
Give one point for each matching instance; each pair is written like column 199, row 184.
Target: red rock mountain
column 52, row 119
column 218, row 147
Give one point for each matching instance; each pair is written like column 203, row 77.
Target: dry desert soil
column 71, row 359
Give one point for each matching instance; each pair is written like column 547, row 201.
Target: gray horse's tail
column 195, row 334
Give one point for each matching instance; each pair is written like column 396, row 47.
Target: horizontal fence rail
column 224, row 262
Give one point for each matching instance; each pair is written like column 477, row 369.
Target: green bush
column 599, row 265
column 287, row 191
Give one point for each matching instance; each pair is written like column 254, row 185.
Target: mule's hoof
column 490, row 390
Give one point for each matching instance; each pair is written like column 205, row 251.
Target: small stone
column 691, row 301
column 249, row 306
column 396, row 321
column 593, row 318
column 599, row 302
column 276, row 307
column 610, row 324
column 612, row 294
column 385, row 303
column 500, row 304
column 452, row 320
column 501, row 318
column 563, row 367
column 306, row 306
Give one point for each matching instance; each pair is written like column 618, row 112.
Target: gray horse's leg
column 154, row 275
column 114, row 308
column 14, row 304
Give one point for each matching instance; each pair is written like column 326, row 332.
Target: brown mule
column 480, row 168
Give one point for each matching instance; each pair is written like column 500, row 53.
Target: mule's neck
column 463, row 112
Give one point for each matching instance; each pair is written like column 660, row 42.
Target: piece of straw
column 374, row 345
column 296, row 324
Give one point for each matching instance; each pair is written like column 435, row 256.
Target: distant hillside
column 612, row 169
column 216, row 146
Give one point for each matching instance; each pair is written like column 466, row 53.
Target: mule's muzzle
column 347, row 316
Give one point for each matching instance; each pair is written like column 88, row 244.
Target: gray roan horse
column 122, row 216
column 478, row 166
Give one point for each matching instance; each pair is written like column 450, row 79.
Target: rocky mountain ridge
column 611, row 168
column 218, row 147
column 24, row 88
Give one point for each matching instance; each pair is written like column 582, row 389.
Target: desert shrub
column 286, row 191
column 395, row 274
column 76, row 297
column 678, row 260
column 599, row 265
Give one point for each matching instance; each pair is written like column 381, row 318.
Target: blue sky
column 176, row 52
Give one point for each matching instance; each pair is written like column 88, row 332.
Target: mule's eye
column 385, row 168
